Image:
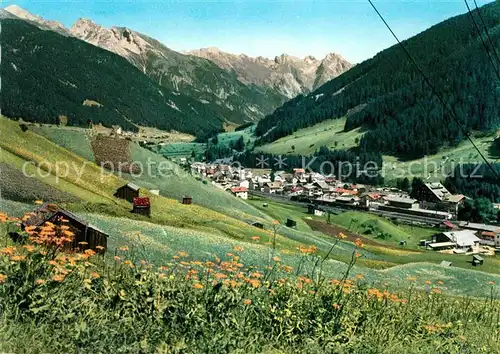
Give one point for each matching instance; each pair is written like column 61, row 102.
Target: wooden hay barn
column 128, row 192
column 187, row 200
column 142, row 206
column 92, row 237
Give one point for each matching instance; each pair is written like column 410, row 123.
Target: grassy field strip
column 162, row 242
column 32, row 147
column 76, row 140
column 435, row 167
column 329, row 133
column 62, row 184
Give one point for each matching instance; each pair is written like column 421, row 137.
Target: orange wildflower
column 29, row 248
column 197, row 286
column 58, row 278
column 238, row 248
column 277, row 259
column 247, row 301
column 336, row 306
column 8, row 250
column 38, row 202
column 255, row 238
column 220, row 276
column 124, row 248
column 90, row 252
column 17, row 258
column 3, row 277
column 276, row 222
column 40, row 281
column 254, row 283
column 342, row 235
column 256, row 275
column 183, row 254
column 129, row 263
column 358, row 243
column 95, row 275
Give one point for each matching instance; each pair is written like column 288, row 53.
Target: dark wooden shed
column 86, row 236
column 291, row 223
column 187, row 200
column 142, row 206
column 477, row 260
column 128, row 192
column 257, row 224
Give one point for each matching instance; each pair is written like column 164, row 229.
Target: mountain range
column 47, row 76
column 237, row 89
column 390, row 100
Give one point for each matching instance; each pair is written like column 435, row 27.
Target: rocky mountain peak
column 333, row 56
column 282, row 59
column 84, row 26
column 21, row 13
column 40, row 22
column 119, row 40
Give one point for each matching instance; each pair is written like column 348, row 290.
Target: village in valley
column 430, row 205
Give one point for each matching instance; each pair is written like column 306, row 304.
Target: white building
column 240, row 192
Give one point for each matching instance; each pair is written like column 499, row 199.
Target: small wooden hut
column 291, row 223
column 86, row 236
column 128, row 192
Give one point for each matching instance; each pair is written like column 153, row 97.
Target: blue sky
column 268, row 28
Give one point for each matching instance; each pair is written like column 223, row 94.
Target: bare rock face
column 121, row 41
column 289, row 75
column 37, row 20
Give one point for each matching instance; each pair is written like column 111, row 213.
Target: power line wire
column 434, row 91
column 487, row 33
column 482, row 40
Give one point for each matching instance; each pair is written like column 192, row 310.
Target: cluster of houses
column 463, row 237
column 431, row 200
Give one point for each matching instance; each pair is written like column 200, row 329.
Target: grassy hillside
column 224, row 140
column 174, row 183
column 433, row 167
column 84, row 180
column 306, row 141
column 49, row 75
column 436, row 167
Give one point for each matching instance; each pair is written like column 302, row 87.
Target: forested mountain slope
column 46, row 75
column 387, row 96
